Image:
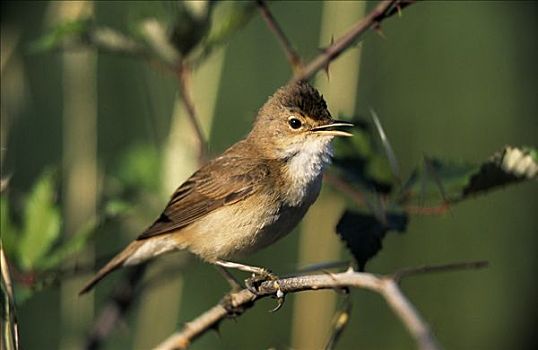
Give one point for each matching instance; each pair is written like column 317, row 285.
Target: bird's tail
column 116, row 262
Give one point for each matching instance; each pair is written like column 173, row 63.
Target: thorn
column 326, row 70
column 325, row 50
column 379, row 30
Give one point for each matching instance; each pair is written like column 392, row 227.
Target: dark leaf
column 450, row 182
column 512, row 164
column 364, row 233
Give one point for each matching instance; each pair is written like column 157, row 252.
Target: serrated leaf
column 41, row 222
column 364, row 233
column 449, row 182
column 510, row 165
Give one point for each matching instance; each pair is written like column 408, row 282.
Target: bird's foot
column 253, row 285
column 254, row 282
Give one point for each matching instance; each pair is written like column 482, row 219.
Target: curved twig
column 387, row 286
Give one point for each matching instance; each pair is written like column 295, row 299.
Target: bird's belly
column 246, row 226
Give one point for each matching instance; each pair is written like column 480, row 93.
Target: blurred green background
column 457, row 80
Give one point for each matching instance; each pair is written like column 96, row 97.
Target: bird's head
column 295, row 121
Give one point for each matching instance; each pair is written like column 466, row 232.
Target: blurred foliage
column 41, row 222
column 139, row 169
column 193, row 29
column 35, row 247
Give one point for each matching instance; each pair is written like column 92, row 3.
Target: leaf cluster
column 368, row 166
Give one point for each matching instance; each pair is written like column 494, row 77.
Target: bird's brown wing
column 222, row 182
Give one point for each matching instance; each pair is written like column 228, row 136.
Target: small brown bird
column 253, row 194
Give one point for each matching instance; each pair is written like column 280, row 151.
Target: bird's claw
column 253, row 283
column 280, row 298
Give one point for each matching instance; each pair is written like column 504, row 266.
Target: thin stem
column 291, row 54
column 183, row 75
column 383, row 10
column 458, row 266
column 236, row 303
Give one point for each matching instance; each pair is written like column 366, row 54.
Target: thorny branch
column 236, row 303
column 382, row 11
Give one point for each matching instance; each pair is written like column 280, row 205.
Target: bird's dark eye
column 294, row 123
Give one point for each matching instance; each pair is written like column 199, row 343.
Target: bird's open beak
column 332, row 128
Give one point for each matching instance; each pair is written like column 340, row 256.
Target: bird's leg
column 246, row 268
column 259, row 274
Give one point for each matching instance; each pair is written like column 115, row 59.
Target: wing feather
column 208, row 189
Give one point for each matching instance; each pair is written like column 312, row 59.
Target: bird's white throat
column 305, row 166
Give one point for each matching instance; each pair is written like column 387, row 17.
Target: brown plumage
column 251, row 195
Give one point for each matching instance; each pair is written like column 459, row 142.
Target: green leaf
column 41, row 222
column 69, row 32
column 116, row 207
column 364, row 233
column 140, row 168
column 72, row 246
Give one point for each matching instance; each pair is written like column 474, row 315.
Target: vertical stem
column 79, row 167
column 318, row 241
column 180, row 160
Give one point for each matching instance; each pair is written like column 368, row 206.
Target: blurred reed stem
column 80, row 170
column 313, row 312
column 180, row 161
